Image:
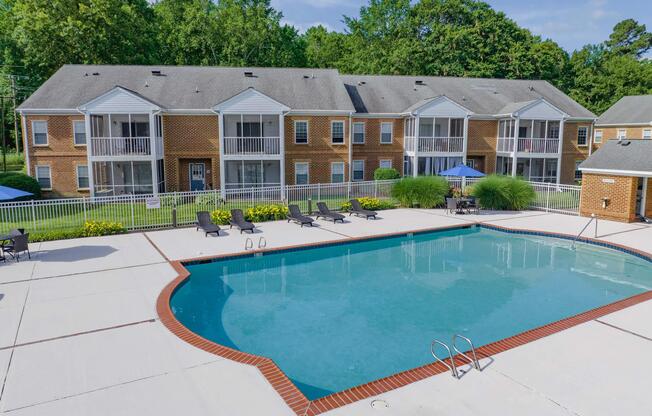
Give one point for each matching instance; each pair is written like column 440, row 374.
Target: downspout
column 591, row 138
column 26, row 148
column 220, row 145
column 350, row 147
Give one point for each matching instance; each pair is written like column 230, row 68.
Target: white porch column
column 89, row 152
column 560, row 149
column 465, row 141
column 514, row 157
column 152, row 151
column 220, row 139
column 415, row 161
column 281, row 132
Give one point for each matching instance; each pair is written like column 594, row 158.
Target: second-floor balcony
column 435, row 144
column 528, row 145
column 252, row 145
column 125, row 135
column 125, row 146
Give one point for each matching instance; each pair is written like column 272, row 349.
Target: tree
column 629, row 38
column 324, row 49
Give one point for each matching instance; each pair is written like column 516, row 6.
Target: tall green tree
column 324, row 49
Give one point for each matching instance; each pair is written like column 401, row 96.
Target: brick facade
column 620, row 190
column 482, row 142
column 611, row 133
column 60, row 154
column 372, row 151
column 571, row 151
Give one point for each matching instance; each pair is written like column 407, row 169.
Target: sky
column 570, row 23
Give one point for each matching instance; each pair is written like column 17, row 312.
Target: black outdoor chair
column 19, row 244
column 451, row 205
column 472, row 205
column 327, row 214
column 357, row 209
column 296, row 216
column 237, row 219
column 206, row 224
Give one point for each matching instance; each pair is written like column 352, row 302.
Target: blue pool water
column 338, row 316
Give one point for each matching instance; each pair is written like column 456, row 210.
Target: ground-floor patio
column 80, row 335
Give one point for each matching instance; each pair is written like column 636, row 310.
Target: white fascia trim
column 379, row 115
column 625, row 125
column 49, row 111
column 537, row 101
column 617, row 172
column 318, row 112
column 225, row 103
column 84, row 107
column 189, row 111
column 442, row 97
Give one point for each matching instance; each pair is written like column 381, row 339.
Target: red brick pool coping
column 300, row 404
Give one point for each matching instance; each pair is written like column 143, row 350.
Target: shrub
column 503, row 193
column 221, row 216
column 21, row 181
column 373, row 204
column 386, row 173
column 206, row 200
column 425, row 191
column 98, row 228
column 266, row 212
column 56, row 235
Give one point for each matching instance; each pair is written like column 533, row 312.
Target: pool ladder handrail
column 473, row 360
column 249, row 244
column 262, row 242
column 451, row 367
column 595, row 234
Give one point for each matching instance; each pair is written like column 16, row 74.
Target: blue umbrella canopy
column 462, row 170
column 7, row 193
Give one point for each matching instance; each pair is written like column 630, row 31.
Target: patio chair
column 237, row 219
column 327, row 214
column 357, row 209
column 451, row 205
column 19, row 244
column 296, row 216
column 472, row 205
column 206, row 224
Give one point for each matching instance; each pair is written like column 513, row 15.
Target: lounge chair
column 296, row 216
column 327, row 214
column 357, row 209
column 237, row 219
column 19, row 244
column 451, row 205
column 206, row 224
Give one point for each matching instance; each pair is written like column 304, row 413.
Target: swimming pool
column 341, row 315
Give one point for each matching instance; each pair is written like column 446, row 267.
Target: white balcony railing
column 125, row 146
column 252, row 146
column 538, row 145
column 441, row 144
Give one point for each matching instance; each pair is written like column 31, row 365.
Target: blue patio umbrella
column 7, row 193
column 463, row 171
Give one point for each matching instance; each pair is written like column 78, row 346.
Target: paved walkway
column 79, row 335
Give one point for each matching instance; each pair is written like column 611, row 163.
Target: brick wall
column 621, row 191
column 60, row 154
column 372, row 151
column 571, row 152
column 611, row 133
column 648, row 199
column 188, row 138
column 483, row 137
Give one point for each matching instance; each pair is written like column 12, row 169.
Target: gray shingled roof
column 628, row 110
column 70, row 87
column 630, row 155
column 393, row 94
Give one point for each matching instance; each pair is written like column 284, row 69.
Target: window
column 598, row 136
column 622, row 134
column 337, row 172
column 301, row 173
column 386, row 163
column 470, row 163
column 337, row 132
column 647, row 134
column 582, row 134
column 358, row 170
column 82, row 177
column 358, row 133
column 43, row 177
column 301, row 132
column 79, row 132
column 249, row 129
column 578, row 172
column 40, row 133
column 386, row 133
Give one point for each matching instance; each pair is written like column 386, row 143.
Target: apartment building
column 629, row 118
column 113, row 130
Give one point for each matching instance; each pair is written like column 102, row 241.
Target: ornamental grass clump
column 504, row 193
column 424, row 191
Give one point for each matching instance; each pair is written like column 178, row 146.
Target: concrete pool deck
column 80, row 334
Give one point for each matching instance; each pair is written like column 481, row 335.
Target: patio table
column 3, row 239
column 461, row 204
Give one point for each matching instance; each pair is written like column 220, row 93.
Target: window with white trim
column 386, row 129
column 43, row 177
column 79, row 132
column 582, row 134
column 578, row 172
column 358, row 133
column 598, row 136
column 647, row 134
column 301, row 132
column 301, row 173
column 622, row 134
column 358, row 170
column 82, row 177
column 337, row 172
column 40, row 133
column 337, row 132
column 385, row 163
